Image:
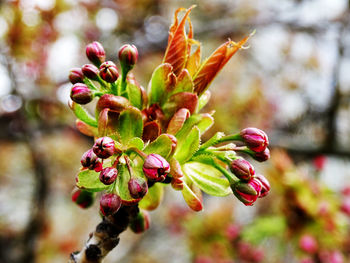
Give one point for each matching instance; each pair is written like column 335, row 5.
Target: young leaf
column 178, row 120
column 153, row 198
column 205, row 123
column 203, row 100
column 207, row 178
column 122, row 186
column 162, row 80
column 82, row 114
column 162, row 146
column 178, row 47
column 130, row 124
column 135, row 142
column 193, row 197
column 194, row 61
column 184, row 83
column 187, row 147
column 217, row 60
column 86, row 129
column 134, row 92
column 107, row 123
column 89, row 180
column 180, row 100
column 151, row 131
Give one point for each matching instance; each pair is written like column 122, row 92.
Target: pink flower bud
column 90, row 71
column 76, row 75
column 247, row 192
column 308, row 244
column 104, row 147
column 255, row 139
column 109, row 204
column 262, row 156
column 156, row 167
column 82, row 198
column 90, row 160
column 265, row 185
column 141, row 222
column 109, row 72
column 137, row 187
column 108, row 175
column 81, row 94
column 233, row 231
column 128, row 55
column 95, row 53
column 242, row 169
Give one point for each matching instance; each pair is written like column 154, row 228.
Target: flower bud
column 261, row 156
column 81, row 94
column 95, row 53
column 137, row 187
column 156, row 167
column 104, row 147
column 128, row 55
column 90, row 71
column 82, row 198
column 255, row 139
column 76, row 75
column 91, row 161
column 108, row 175
column 109, row 204
column 242, row 169
column 265, row 185
column 141, row 222
column 247, row 192
column 109, row 72
column 345, row 206
column 308, row 244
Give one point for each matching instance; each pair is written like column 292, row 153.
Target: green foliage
column 153, row 198
column 162, row 146
column 130, row 124
column 83, row 115
column 89, row 180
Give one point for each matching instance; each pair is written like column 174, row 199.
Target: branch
column 105, row 237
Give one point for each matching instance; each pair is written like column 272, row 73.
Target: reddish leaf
column 193, row 196
column 211, row 67
column 151, row 131
column 194, row 61
column 181, row 100
column 178, row 45
column 86, row 129
column 178, row 120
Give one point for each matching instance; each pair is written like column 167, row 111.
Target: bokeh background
column 293, row 82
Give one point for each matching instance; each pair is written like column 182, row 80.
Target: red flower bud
column 90, row 160
column 108, row 175
column 345, row 206
column 109, row 204
column 262, row 156
column 109, row 72
column 95, row 53
column 242, row 169
column 308, row 243
column 265, row 185
column 104, row 147
column 141, row 222
column 255, row 139
column 82, row 198
column 81, row 94
column 247, row 192
column 156, row 167
column 90, row 71
column 76, row 75
column 128, row 55
column 137, row 187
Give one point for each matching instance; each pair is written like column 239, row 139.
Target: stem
column 114, row 88
column 230, row 177
column 105, row 237
column 90, row 84
column 123, row 91
column 233, row 137
column 137, row 151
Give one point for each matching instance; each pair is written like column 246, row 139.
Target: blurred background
column 293, row 82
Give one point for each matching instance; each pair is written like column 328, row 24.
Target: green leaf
column 162, row 79
column 130, row 124
column 134, row 95
column 135, row 142
column 83, row 115
column 89, row 180
column 153, row 198
column 188, row 146
column 205, row 123
column 207, row 178
column 193, row 197
column 162, row 146
column 184, row 83
column 122, row 188
column 203, row 100
column 213, row 140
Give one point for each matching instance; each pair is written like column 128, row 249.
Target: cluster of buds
column 145, row 139
column 103, row 72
